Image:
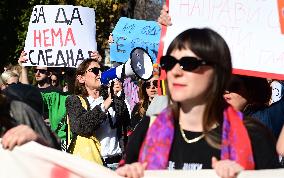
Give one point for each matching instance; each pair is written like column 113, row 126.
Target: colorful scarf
column 235, row 146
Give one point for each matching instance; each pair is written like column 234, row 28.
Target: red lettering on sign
column 69, row 36
column 54, row 35
column 46, row 37
column 37, row 38
column 281, row 14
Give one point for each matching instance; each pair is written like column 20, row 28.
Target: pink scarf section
column 236, row 144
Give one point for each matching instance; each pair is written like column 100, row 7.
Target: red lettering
column 69, row 36
column 45, row 38
column 281, row 14
column 54, row 35
column 37, row 38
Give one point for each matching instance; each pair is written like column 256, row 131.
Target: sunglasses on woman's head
column 42, row 71
column 187, row 63
column 95, row 70
column 154, row 83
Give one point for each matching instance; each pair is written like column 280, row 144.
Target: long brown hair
column 144, row 101
column 208, row 45
column 80, row 88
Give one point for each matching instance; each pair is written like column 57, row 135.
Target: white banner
column 60, row 35
column 251, row 29
column 33, row 160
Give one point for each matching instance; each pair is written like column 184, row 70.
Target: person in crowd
column 55, row 80
column 199, row 130
column 42, row 75
column 122, row 112
column 54, row 111
column 242, row 94
column 99, row 119
column 12, row 132
column 147, row 91
column 9, row 77
column 53, row 98
column 25, row 106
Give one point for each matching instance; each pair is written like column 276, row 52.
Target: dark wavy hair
column 208, row 45
column 80, row 88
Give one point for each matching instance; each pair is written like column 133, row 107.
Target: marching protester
column 198, row 128
column 97, row 119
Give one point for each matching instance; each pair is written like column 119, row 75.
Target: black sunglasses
column 95, row 70
column 154, row 83
column 187, row 63
column 42, row 71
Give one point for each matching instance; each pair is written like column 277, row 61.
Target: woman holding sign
column 198, row 130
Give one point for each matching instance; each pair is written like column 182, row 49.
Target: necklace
column 190, row 140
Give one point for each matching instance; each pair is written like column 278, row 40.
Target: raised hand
column 165, row 18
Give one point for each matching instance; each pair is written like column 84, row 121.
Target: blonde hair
column 8, row 75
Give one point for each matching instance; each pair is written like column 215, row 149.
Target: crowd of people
column 211, row 119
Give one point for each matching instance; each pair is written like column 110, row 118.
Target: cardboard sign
column 251, row 29
column 129, row 34
column 60, row 35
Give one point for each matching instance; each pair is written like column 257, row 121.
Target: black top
column 135, row 116
column 83, row 122
column 50, row 89
column 194, row 156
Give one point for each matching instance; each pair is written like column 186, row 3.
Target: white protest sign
column 251, row 29
column 35, row 160
column 60, row 35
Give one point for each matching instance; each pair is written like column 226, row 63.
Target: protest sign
column 129, row 34
column 60, row 35
column 251, row 29
column 35, row 160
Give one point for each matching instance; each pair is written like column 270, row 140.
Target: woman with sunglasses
column 146, row 93
column 198, row 130
column 95, row 120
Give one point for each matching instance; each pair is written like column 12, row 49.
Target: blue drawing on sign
column 129, row 34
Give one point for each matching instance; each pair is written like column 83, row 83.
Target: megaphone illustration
column 139, row 64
